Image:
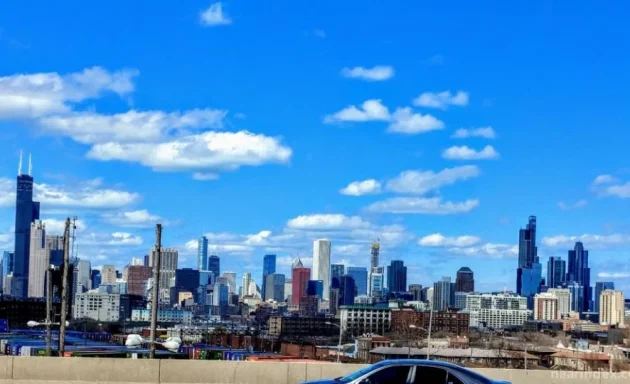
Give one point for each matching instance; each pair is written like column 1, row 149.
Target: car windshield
column 356, row 374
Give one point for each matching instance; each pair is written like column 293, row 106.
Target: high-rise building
column 496, row 311
column 347, row 291
column 202, row 254
column 137, row 277
column 315, row 288
column 360, row 276
column 465, row 280
column 246, row 281
column 220, row 297
column 321, row 264
column 168, row 265
column 26, row 211
column 416, row 291
column 108, row 274
column 39, row 259
column 442, row 294
column 374, row 257
column 231, row 279
column 611, row 307
column 7, row 269
column 96, row 305
column 577, row 297
column 556, row 272
column 564, row 300
column 95, row 276
column 274, row 287
column 300, row 277
column 214, row 265
column 580, row 273
column 269, row 267
column 54, row 246
column 546, row 306
column 83, row 278
column 527, row 256
column 601, row 286
column 397, row 276
column 376, row 284
column 336, row 271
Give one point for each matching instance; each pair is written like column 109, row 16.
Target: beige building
column 611, row 308
column 546, row 307
column 564, row 300
column 38, row 260
column 108, row 275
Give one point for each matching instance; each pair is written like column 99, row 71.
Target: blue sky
column 250, row 122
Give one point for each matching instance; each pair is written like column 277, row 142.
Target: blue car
column 411, row 371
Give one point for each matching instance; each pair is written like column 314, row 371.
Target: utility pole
column 65, row 290
column 49, row 287
column 157, row 260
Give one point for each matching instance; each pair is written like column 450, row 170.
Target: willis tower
column 26, row 210
column 529, row 272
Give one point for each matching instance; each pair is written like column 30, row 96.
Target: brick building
column 443, row 321
column 137, row 276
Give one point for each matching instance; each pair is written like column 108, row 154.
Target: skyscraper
column 202, row 254
column 347, row 291
column 26, row 210
column 556, row 272
column 231, row 279
column 108, row 274
column 529, row 271
column 7, row 269
column 168, row 265
column 274, row 287
column 300, row 276
column 360, row 276
column 246, row 281
column 601, row 286
column 580, row 273
column 374, row 258
column 269, row 267
column 336, row 271
column 611, row 308
column 95, row 276
column 376, row 284
column 442, row 294
column 321, row 264
column 214, row 265
column 39, row 259
column 397, row 276
column 416, row 291
column 465, row 280
column 315, row 288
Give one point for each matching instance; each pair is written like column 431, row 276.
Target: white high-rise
column 108, row 275
column 38, row 260
column 231, row 279
column 168, row 266
column 564, row 300
column 247, row 279
column 321, row 264
column 611, row 308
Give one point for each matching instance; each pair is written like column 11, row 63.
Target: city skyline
column 439, row 153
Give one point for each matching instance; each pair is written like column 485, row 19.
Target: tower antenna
column 20, row 164
column 30, row 165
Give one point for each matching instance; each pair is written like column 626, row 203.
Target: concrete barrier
column 42, row 370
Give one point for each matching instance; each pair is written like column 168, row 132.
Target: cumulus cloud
column 85, row 194
column 604, row 179
column 377, row 73
column 113, row 239
column 209, row 150
column 370, row 110
column 360, row 188
column 420, row 182
column 132, row 219
column 404, row 120
column 57, row 226
column 422, row 205
column 205, row 176
column 622, row 190
column 466, row 153
column 327, row 222
column 439, row 240
column 441, row 100
column 489, row 250
column 214, row 15
column 567, row 206
column 41, row 94
column 485, row 132
column 589, row 240
column 613, row 275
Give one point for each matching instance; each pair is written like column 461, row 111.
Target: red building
column 300, row 277
column 447, row 321
column 136, row 278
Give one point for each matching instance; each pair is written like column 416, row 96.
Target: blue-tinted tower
column 348, row 290
column 269, row 267
column 315, row 288
column 360, row 276
column 202, row 254
column 397, row 276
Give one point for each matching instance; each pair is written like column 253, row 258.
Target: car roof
column 422, row 362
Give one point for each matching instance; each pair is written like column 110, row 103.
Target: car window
column 389, row 375
column 431, row 375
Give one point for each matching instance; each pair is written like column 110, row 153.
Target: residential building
column 546, row 307
column 321, row 265
column 611, row 307
column 496, row 310
column 39, row 260
column 274, row 287
column 300, row 276
column 368, row 343
column 168, row 265
column 442, row 294
column 579, row 272
column 374, row 255
column 556, row 272
column 360, row 276
column 309, row 306
column 214, row 265
column 600, row 287
column 202, row 254
column 360, row 319
column 26, row 211
column 108, row 274
column 137, row 277
column 465, row 280
column 347, row 290
column 416, row 291
column 293, row 326
column 460, row 300
column 376, row 284
column 441, row 321
column 397, row 276
column 269, row 267
column 97, row 306
column 564, row 300
column 163, row 316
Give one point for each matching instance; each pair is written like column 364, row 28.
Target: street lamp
column 47, row 324
column 525, row 356
column 413, row 326
column 340, row 335
column 135, row 341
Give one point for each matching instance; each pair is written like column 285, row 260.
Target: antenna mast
column 30, row 165
column 20, row 164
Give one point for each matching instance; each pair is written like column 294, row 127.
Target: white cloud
column 405, row 121
column 464, row 133
column 86, row 194
column 350, row 249
column 377, row 73
column 567, row 207
column 201, row 176
column 490, row 250
column 589, row 240
column 40, row 94
column 113, row 239
column 214, row 16
column 259, row 238
column 132, row 219
column 370, row 110
column 209, row 150
column 7, row 239
column 621, row 191
column 420, row 182
column 360, row 188
column 604, row 179
column 327, row 222
column 466, row 153
column 441, row 100
column 421, row 205
column 130, row 126
column 613, row 275
column 439, row 240
column 57, row 227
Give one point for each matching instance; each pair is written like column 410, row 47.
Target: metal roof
column 452, row 353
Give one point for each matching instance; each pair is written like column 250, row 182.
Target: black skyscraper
column 26, row 210
column 214, row 265
column 527, row 251
column 580, row 273
column 556, row 272
column 397, row 277
column 465, row 280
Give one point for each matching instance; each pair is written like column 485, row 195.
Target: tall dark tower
column 580, row 273
column 465, row 281
column 527, row 251
column 26, row 210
